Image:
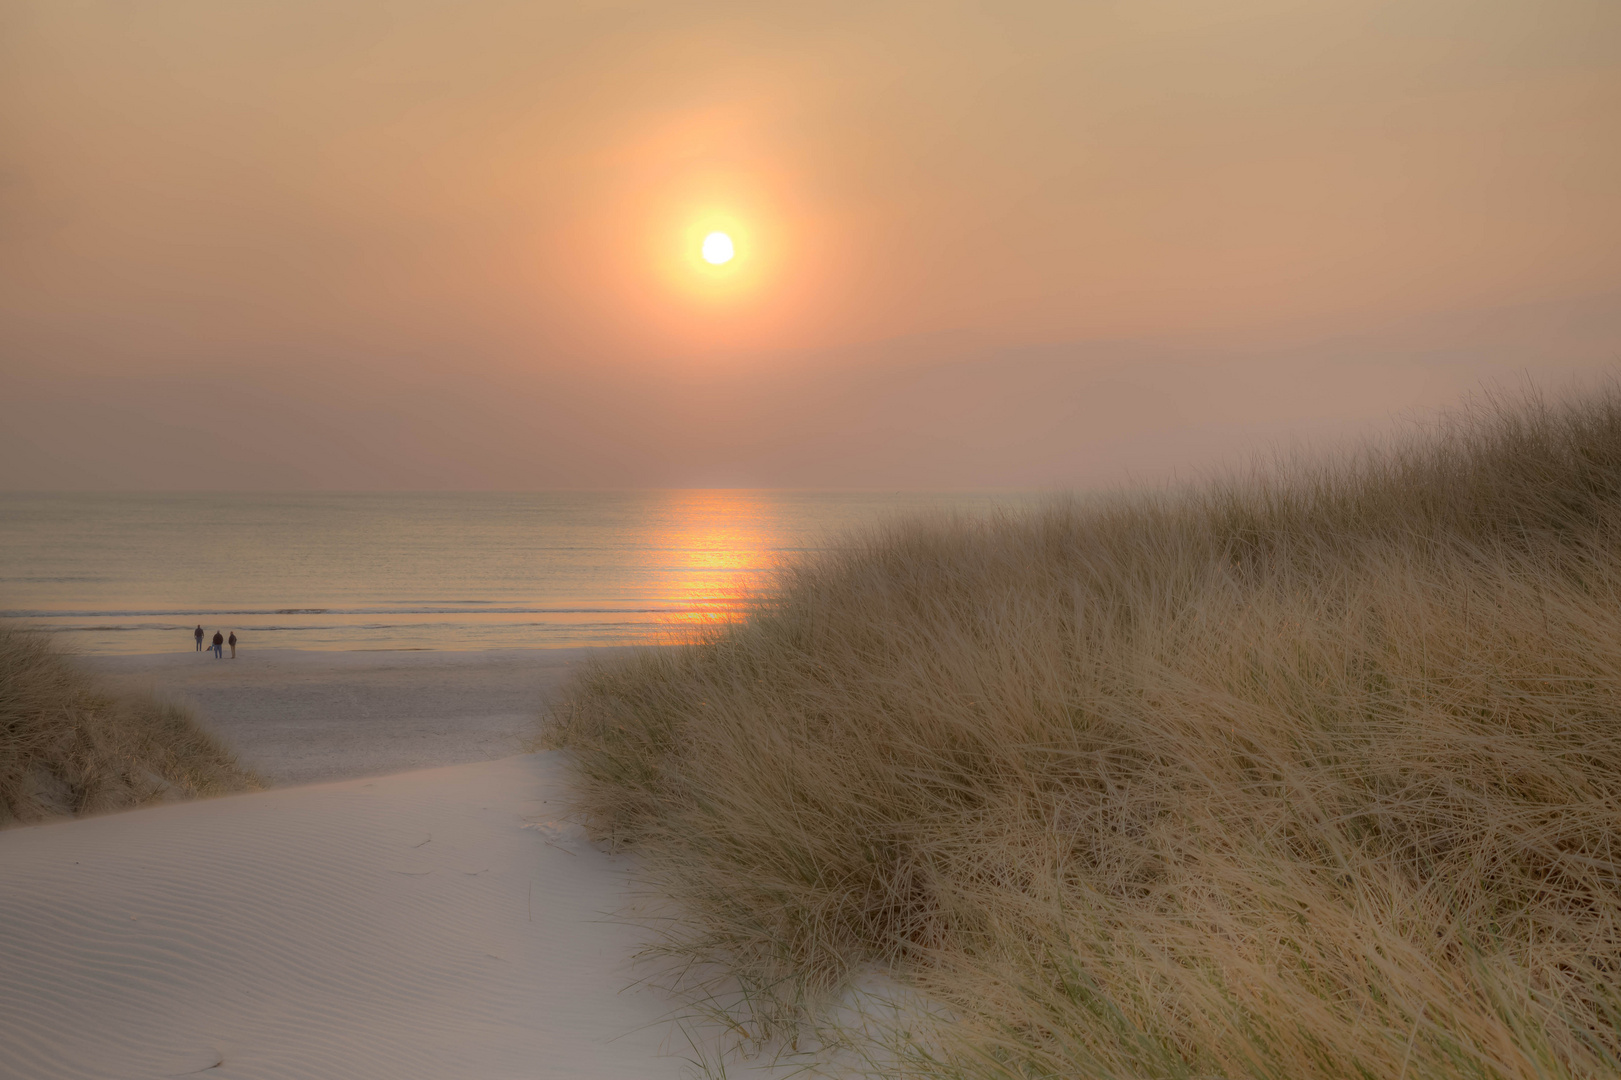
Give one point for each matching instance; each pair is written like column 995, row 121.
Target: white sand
column 298, row 717
column 396, row 927
column 439, row 923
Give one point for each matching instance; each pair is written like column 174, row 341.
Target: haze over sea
column 134, row 573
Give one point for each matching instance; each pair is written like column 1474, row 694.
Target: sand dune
column 442, row 923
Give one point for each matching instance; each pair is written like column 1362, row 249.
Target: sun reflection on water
column 712, row 550
column 475, row 570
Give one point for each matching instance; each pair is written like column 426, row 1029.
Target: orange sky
column 329, row 243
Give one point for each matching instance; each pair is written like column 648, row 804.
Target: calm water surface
column 135, row 573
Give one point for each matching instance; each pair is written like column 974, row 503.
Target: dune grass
column 1314, row 773
column 69, row 747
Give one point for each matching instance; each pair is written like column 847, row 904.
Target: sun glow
column 717, row 248
column 722, row 278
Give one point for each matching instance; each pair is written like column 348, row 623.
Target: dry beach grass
column 67, row 746
column 1315, row 773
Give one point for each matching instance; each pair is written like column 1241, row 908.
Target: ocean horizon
column 135, row 573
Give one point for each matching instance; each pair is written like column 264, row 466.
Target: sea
column 135, row 573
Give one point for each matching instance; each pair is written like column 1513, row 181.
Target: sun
column 717, row 248
column 714, row 256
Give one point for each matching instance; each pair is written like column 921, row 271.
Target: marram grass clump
column 69, row 747
column 1314, row 774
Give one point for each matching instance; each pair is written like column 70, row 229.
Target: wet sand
column 300, row 717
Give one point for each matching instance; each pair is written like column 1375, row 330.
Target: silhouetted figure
column 231, row 641
column 219, row 645
column 198, row 634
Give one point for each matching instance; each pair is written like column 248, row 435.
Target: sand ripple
column 436, row 924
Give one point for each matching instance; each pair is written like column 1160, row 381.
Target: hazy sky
column 435, row 244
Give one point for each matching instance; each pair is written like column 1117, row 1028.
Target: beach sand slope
column 438, row 924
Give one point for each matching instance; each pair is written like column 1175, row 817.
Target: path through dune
column 434, row 924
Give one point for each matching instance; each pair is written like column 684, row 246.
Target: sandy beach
column 437, row 923
column 300, row 717
column 441, row 923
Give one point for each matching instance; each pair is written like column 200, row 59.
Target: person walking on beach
column 198, row 634
column 231, row 641
column 219, row 645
